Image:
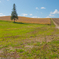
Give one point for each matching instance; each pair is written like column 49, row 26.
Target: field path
column 56, row 22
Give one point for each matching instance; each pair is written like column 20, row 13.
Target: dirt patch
column 41, row 39
column 56, row 22
column 1, row 51
column 12, row 36
column 28, row 46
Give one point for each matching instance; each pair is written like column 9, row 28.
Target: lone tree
column 14, row 15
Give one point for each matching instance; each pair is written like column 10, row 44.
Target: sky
column 31, row 8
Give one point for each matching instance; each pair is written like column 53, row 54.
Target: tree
column 14, row 15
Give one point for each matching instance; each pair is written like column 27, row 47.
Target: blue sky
column 31, row 8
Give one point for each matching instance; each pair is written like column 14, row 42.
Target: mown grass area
column 28, row 41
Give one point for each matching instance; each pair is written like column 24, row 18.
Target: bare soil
column 56, row 22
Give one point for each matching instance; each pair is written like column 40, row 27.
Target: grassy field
column 28, row 41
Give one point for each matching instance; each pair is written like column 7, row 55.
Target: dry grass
column 29, row 20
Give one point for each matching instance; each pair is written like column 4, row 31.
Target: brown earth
column 28, row 20
column 56, row 22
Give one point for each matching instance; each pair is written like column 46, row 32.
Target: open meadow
column 28, row 41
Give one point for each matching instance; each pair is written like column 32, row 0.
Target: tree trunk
column 14, row 20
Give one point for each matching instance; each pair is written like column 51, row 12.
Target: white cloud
column 0, row 1
column 35, row 17
column 1, row 14
column 38, row 17
column 51, row 15
column 37, row 8
column 23, row 14
column 43, row 8
column 30, row 14
column 7, row 0
column 55, row 12
column 47, row 17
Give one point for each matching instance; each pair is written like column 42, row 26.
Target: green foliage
column 37, row 44
column 14, row 14
column 20, row 50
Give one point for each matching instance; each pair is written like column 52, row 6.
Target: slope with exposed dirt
column 56, row 22
column 28, row 20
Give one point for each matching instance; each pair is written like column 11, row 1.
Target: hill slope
column 28, row 20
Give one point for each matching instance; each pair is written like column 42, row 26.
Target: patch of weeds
column 30, row 58
column 53, row 49
column 56, row 42
column 54, row 55
column 29, row 55
column 5, row 52
column 12, row 45
column 35, row 50
column 37, row 44
column 30, row 43
column 5, row 46
column 19, row 50
column 21, row 43
column 10, row 51
column 19, row 46
column 1, row 47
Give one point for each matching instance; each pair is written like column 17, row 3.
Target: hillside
column 28, row 20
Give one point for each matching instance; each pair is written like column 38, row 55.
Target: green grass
column 29, row 41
